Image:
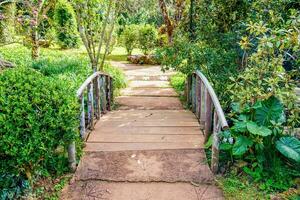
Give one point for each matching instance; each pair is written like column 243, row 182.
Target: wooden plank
column 96, row 147
column 149, row 113
column 149, row 103
column 104, row 124
column 149, row 84
column 178, row 130
column 153, row 92
column 133, row 138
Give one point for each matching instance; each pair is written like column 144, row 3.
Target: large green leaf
column 241, row 146
column 289, row 147
column 258, row 130
column 270, row 110
column 240, row 126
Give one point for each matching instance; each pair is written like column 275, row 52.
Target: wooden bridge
column 150, row 147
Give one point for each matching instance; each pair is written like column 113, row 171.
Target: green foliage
column 119, row 80
column 178, row 82
column 129, row 37
column 233, row 184
column 254, row 138
column 147, row 38
column 65, row 24
column 140, row 12
column 241, row 146
column 289, row 147
column 269, row 45
column 13, row 186
column 39, row 117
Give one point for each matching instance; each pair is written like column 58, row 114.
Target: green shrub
column 38, row 117
column 129, row 37
column 147, row 38
column 65, row 23
column 118, row 75
column 257, row 137
column 69, row 69
column 178, row 82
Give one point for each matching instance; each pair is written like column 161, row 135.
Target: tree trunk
column 35, row 49
column 167, row 20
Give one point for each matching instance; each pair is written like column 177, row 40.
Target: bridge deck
column 150, row 148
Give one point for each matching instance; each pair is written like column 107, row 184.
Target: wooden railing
column 95, row 96
column 206, row 106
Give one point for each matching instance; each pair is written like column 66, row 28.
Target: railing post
column 111, row 91
column 97, row 94
column 91, row 105
column 82, row 117
column 188, row 89
column 193, row 93
column 107, row 92
column 215, row 144
column 198, row 97
column 208, row 117
column 203, row 104
column 72, row 156
column 103, row 94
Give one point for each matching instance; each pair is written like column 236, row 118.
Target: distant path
column 148, row 149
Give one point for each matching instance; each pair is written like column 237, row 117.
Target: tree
column 129, row 37
column 65, row 25
column 170, row 23
column 33, row 15
column 93, row 17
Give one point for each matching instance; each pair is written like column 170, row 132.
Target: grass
column 71, row 65
column 238, row 187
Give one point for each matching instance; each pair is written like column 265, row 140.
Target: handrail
column 215, row 100
column 95, row 96
column 88, row 81
column 207, row 108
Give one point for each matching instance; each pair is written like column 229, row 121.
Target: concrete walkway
column 148, row 149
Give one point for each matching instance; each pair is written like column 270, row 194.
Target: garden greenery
column 65, row 24
column 39, row 117
column 144, row 37
column 249, row 51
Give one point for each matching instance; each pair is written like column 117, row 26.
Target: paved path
column 148, row 149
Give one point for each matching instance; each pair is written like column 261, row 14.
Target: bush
column 129, row 37
column 118, row 75
column 178, row 82
column 69, row 69
column 38, row 117
column 147, row 38
column 66, row 26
